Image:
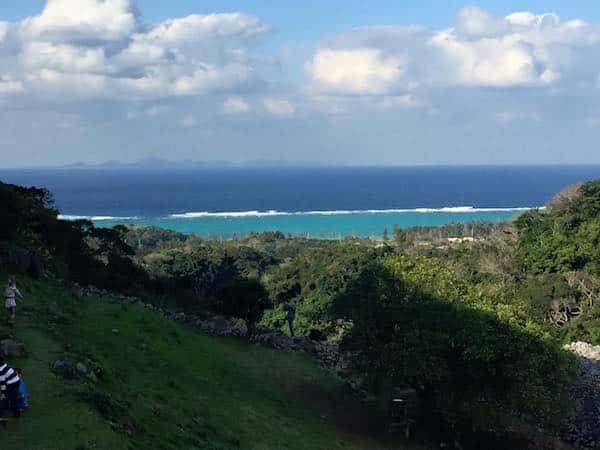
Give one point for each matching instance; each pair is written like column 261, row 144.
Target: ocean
column 323, row 202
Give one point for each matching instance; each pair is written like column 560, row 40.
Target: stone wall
column 583, row 429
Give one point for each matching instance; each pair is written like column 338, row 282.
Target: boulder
column 92, row 377
column 221, row 326
column 81, row 368
column 66, row 369
column 10, row 348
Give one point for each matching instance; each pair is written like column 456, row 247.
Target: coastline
column 310, row 224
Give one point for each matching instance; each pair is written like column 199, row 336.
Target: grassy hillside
column 166, row 387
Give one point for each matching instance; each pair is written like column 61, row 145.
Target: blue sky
column 311, row 18
column 354, row 82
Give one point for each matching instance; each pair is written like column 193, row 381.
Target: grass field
column 166, row 387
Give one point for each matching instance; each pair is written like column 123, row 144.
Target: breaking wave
column 95, row 218
column 271, row 213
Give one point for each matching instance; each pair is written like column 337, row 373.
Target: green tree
column 400, row 236
column 474, row 360
column 245, row 299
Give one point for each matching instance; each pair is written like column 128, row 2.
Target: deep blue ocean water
column 320, row 202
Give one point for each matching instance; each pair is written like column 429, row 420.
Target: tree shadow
column 414, row 323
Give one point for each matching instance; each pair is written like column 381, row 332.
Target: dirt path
column 348, row 416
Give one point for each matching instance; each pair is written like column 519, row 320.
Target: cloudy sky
column 342, row 81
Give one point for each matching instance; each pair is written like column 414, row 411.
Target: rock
column 10, row 348
column 92, row 377
column 81, row 368
column 581, row 429
column 66, row 369
column 220, row 326
column 329, row 355
column 317, row 335
column 115, row 331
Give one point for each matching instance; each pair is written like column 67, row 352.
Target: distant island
column 156, row 163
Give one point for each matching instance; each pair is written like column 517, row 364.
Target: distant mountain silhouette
column 156, row 163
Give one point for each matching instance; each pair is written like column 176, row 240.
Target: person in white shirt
column 11, row 292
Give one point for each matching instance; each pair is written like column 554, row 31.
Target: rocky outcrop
column 70, row 370
column 221, row 326
column 583, row 429
column 13, row 349
column 327, row 354
column 214, row 325
column 93, row 291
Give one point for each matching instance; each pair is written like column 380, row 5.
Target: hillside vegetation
column 476, row 327
column 162, row 386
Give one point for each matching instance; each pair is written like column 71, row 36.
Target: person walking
column 9, row 387
column 290, row 316
column 10, row 299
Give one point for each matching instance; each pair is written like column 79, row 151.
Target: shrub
column 475, row 361
column 243, row 298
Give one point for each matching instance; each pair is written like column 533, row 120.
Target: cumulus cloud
column 502, row 62
column 361, row 70
column 100, row 49
column 474, row 21
column 235, row 105
column 280, row 108
column 197, row 29
column 90, row 20
column 482, row 50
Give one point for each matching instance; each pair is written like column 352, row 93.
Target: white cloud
column 361, row 70
column 482, row 50
column 97, row 49
column 8, row 86
column 474, row 21
column 504, row 61
column 4, row 27
column 199, row 28
column 62, row 20
column 62, row 57
column 51, row 84
column 210, row 77
column 235, row 105
column 280, row 108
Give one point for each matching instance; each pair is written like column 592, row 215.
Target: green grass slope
column 164, row 386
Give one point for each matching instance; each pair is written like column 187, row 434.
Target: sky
column 339, row 82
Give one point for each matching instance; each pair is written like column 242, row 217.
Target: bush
column 566, row 237
column 243, row 298
column 475, row 361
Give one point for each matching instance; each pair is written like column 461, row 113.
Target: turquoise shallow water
column 318, row 224
column 325, row 202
